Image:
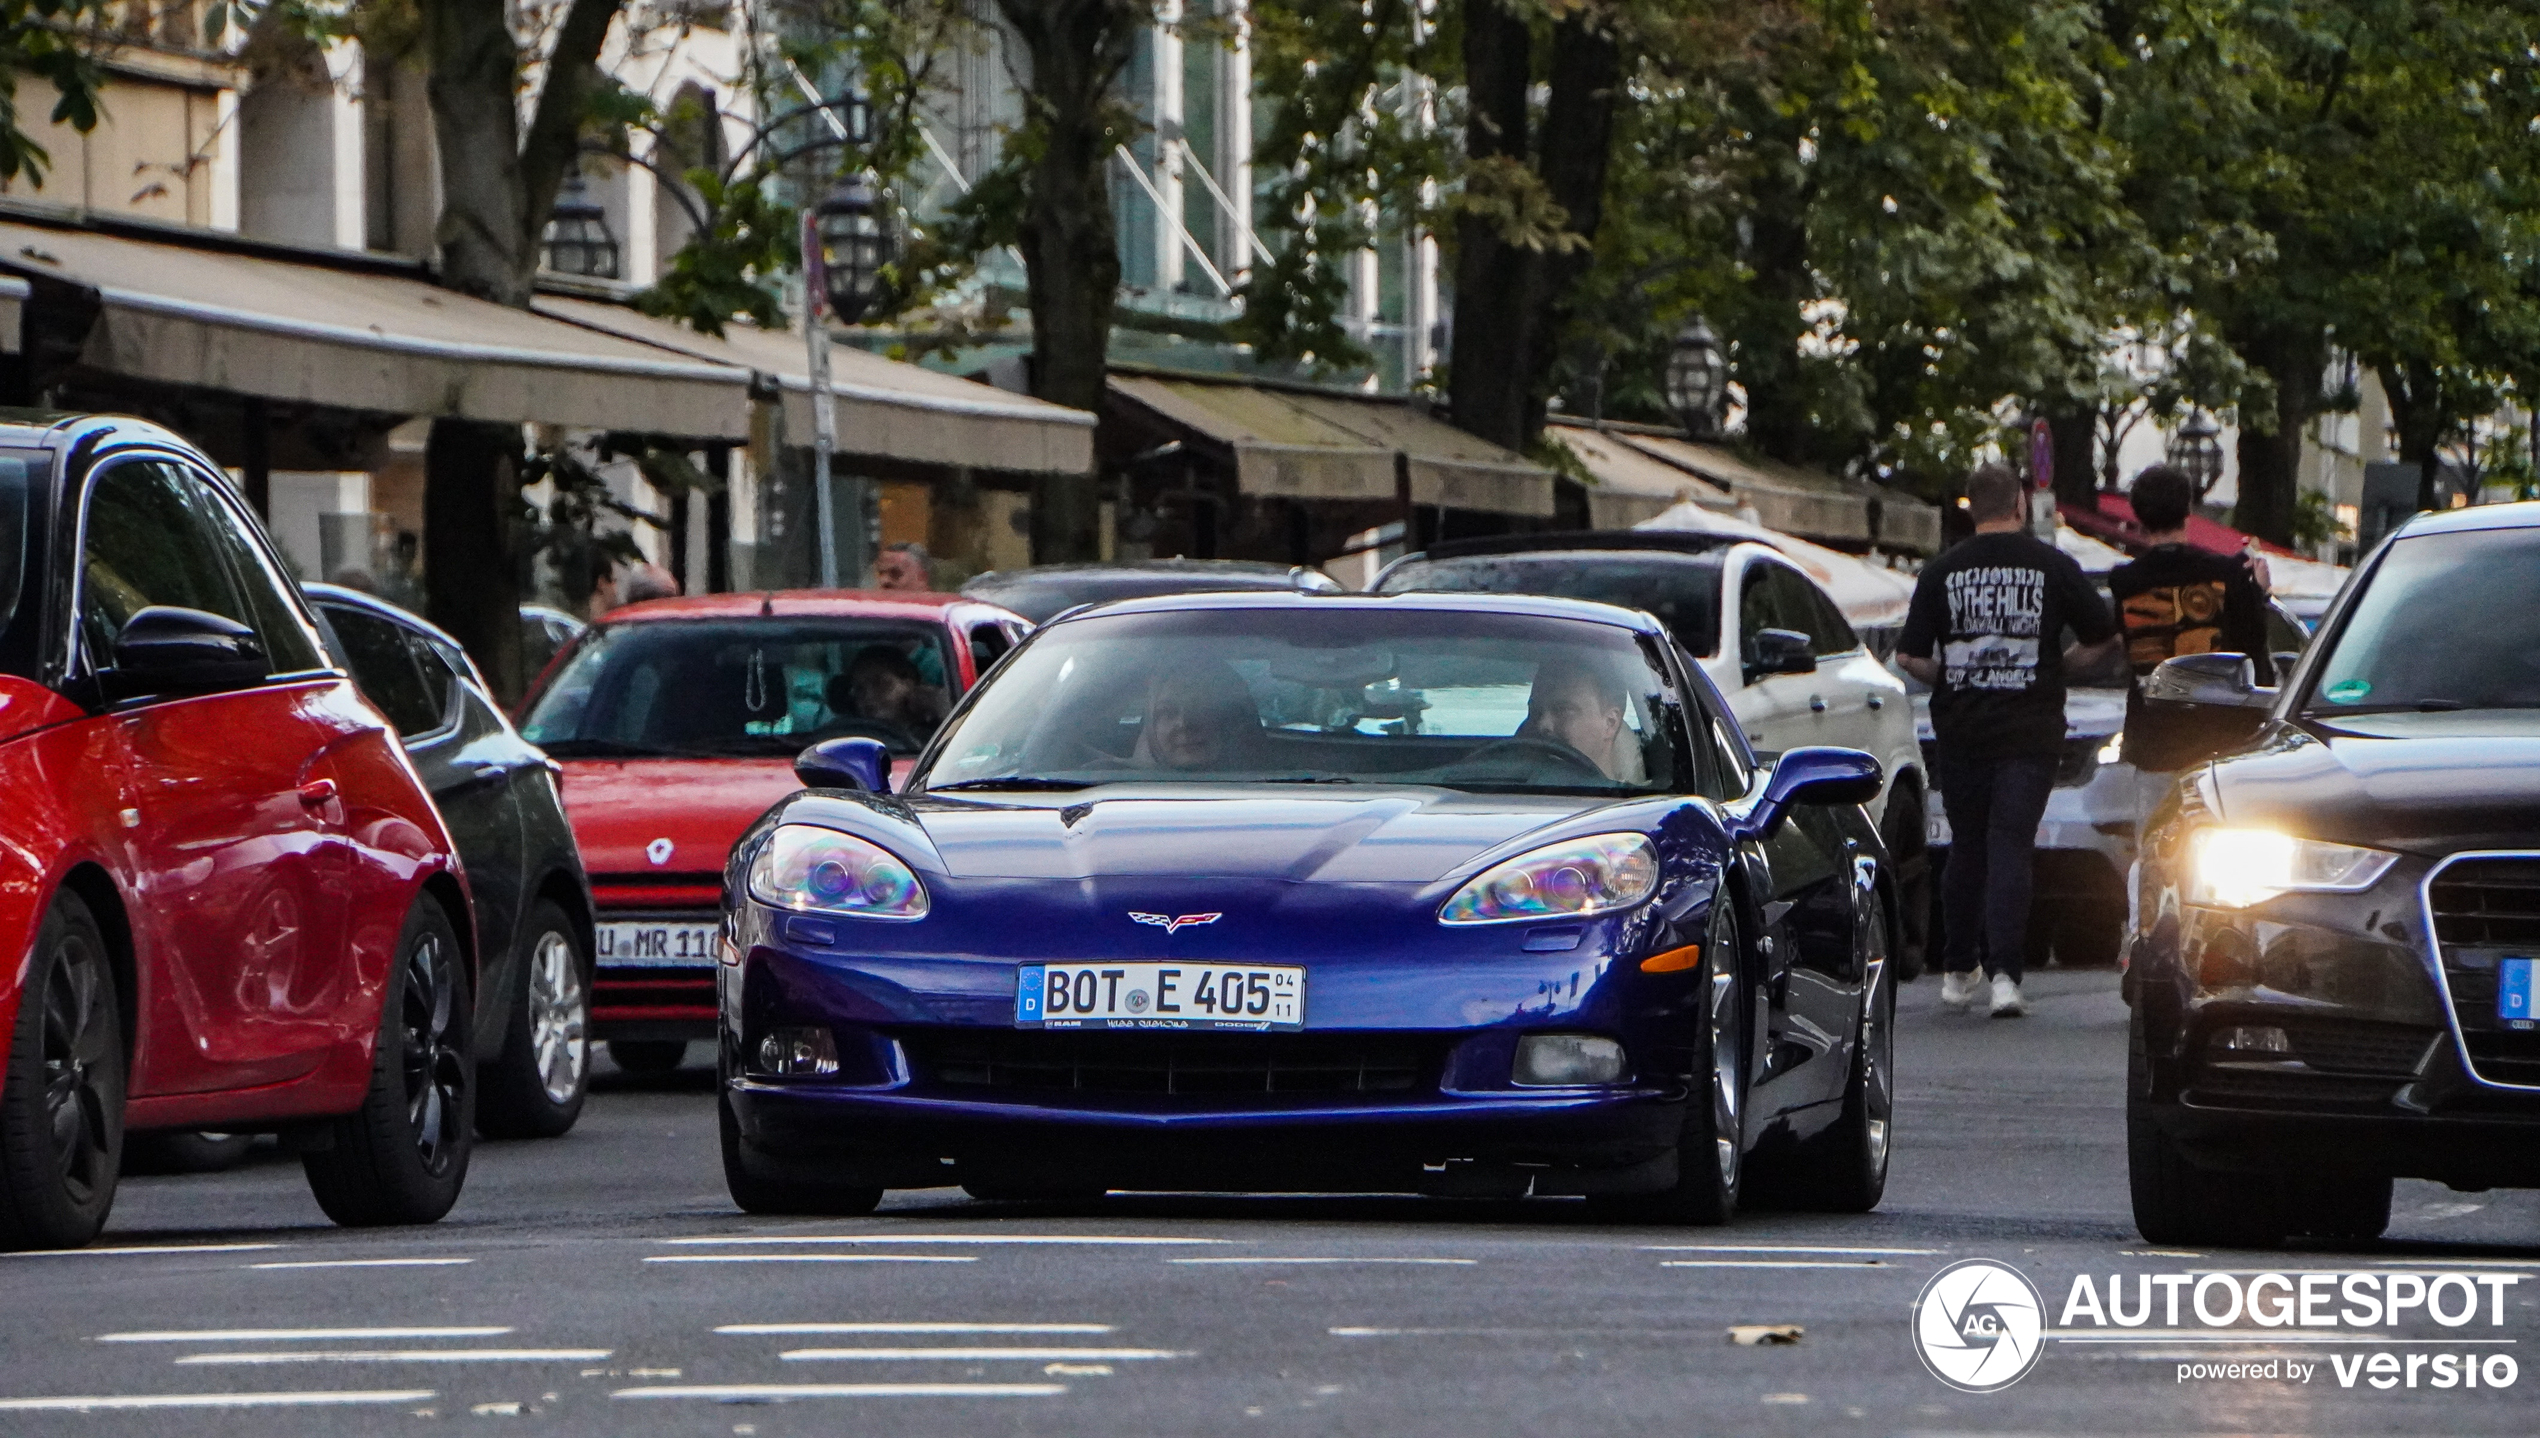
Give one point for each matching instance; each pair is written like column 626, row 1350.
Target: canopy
column 1869, row 596
column 1632, row 486
column 2290, row 575
column 1319, row 444
column 12, row 306
column 1800, row 501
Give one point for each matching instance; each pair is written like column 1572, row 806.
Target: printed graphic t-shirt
column 2178, row 599
column 1996, row 607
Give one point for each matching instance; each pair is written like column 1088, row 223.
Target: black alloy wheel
column 1711, row 1147
column 62, row 1106
column 1844, row 1169
column 754, row 1191
column 403, row 1156
column 2178, row 1201
column 535, row 1087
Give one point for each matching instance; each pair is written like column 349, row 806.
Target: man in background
column 1995, row 607
column 904, row 565
column 2175, row 599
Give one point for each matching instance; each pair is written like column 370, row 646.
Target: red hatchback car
column 226, row 901
column 677, row 722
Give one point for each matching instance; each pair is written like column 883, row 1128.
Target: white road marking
column 778, row 1392
column 976, row 1355
column 403, row 1355
column 1090, row 1239
column 290, row 1335
column 1765, row 1248
column 1865, row 1263
column 142, row 1248
column 102, row 1402
column 752, row 1329
column 1453, row 1262
column 2455, row 1262
column 366, row 1263
column 811, row 1258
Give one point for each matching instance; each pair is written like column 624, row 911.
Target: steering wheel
column 899, row 739
column 1527, row 746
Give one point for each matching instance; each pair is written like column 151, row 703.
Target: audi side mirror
column 1813, row 775
column 2208, row 681
column 1779, row 651
column 168, row 650
column 857, row 763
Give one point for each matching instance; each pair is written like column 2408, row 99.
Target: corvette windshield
column 1500, row 702
column 2416, row 638
column 742, row 687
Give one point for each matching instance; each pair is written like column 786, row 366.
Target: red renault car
column 677, row 722
column 226, row 901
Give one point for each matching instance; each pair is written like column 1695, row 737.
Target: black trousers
column 1993, row 804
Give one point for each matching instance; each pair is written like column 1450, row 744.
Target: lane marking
column 1451, row 1262
column 778, row 1392
column 142, row 1248
column 290, row 1335
column 1856, row 1265
column 752, row 1329
column 365, row 1263
column 2456, row 1263
column 108, row 1402
column 976, row 1355
column 402, row 1355
column 811, row 1258
column 1090, row 1239
column 1760, row 1248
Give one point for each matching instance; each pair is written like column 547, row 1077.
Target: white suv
column 1791, row 668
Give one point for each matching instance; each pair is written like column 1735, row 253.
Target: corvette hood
column 2419, row 783
column 1380, row 836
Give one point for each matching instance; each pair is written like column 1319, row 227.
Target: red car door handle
column 317, row 792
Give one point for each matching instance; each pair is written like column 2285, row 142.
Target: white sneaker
column 2007, row 1003
column 1957, row 991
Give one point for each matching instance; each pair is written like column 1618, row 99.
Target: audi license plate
column 656, row 944
column 2513, row 994
column 1159, row 996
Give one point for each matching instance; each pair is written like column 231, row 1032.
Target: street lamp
column 1697, row 379
column 2196, row 450
column 578, row 241
column 855, row 245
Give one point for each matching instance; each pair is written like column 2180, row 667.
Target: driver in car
column 884, row 686
column 1199, row 718
column 1580, row 705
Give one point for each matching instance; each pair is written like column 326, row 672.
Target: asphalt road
column 603, row 1284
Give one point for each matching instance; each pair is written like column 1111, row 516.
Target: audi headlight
column 2234, row 868
column 814, row 870
column 1568, row 880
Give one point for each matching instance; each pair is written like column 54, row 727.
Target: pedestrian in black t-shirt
column 1996, row 606
column 2176, row 599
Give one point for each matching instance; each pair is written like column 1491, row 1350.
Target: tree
column 42, row 38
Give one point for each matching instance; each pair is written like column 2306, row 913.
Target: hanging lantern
column 2196, row 450
column 851, row 227
column 1697, row 379
column 578, row 241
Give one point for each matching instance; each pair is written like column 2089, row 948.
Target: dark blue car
column 1453, row 894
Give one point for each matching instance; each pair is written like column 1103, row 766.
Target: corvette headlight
column 1568, row 880
column 814, row 870
column 2234, row 868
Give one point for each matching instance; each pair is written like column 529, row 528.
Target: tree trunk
column 1071, row 255
column 471, row 497
column 2416, row 411
column 472, row 83
column 2271, row 464
column 1766, row 332
column 2076, row 446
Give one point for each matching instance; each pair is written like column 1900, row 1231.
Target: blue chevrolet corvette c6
column 1451, row 894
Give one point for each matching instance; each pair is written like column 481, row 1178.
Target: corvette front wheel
column 754, row 1192
column 1711, row 1149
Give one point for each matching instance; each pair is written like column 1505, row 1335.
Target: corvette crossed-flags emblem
column 1176, row 923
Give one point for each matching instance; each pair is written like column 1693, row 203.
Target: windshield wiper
column 1019, row 782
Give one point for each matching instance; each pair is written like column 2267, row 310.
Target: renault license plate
column 656, row 944
column 1159, row 996
column 2513, row 994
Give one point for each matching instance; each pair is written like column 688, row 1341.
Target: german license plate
column 2513, row 993
column 1159, row 996
column 656, row 944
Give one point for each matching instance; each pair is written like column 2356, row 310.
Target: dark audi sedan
column 2337, row 922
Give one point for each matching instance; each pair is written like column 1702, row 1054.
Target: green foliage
column 729, row 268
column 2315, row 521
column 38, row 39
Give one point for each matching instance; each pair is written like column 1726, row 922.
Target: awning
column 1631, row 486
column 12, row 306
column 1300, row 444
column 885, row 408
column 350, row 339
column 1801, row 501
column 1870, row 597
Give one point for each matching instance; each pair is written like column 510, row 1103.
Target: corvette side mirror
column 164, row 649
column 1814, row 775
column 2208, row 681
column 857, row 763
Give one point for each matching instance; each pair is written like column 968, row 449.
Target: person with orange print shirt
column 2175, row 599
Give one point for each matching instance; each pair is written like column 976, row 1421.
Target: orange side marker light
column 1674, row 960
